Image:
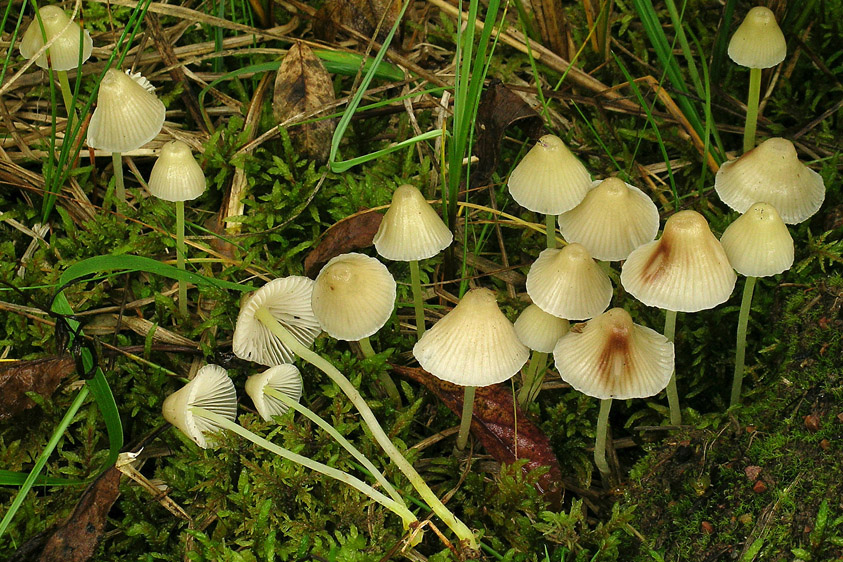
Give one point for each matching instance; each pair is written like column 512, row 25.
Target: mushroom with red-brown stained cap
column 610, row 357
column 686, row 270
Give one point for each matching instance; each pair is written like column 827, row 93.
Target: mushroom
column 771, row 172
column 613, row 219
column 539, row 331
column 609, row 357
column 128, row 115
column 569, row 284
column 176, row 176
column 758, row 244
column 411, row 231
column 353, row 297
column 212, row 390
column 549, row 180
column 70, row 46
column 473, row 345
column 757, row 43
column 686, row 270
column 284, row 302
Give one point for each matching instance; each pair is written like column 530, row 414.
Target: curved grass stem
column 327, row 428
column 401, row 510
column 458, row 527
column 740, row 349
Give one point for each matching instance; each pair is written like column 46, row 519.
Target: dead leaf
column 499, row 108
column 76, row 540
column 302, row 87
column 41, row 375
column 493, row 423
column 352, row 233
column 362, row 16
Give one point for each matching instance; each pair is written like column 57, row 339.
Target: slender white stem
column 458, row 527
column 181, row 249
column 465, row 420
column 119, row 187
column 600, row 440
column 405, row 514
column 355, row 452
column 672, row 391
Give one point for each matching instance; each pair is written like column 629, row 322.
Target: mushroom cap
column 758, row 42
column 569, row 284
column 283, row 378
column 539, row 330
column 128, row 113
column 353, row 296
column 611, row 357
column 288, row 301
column 211, row 389
column 685, row 270
column 473, row 345
column 64, row 52
column 771, row 172
column 758, row 243
column 176, row 175
column 613, row 219
column 411, row 230
column 549, row 179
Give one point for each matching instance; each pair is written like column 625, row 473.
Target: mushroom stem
column 458, row 527
column 533, row 377
column 740, row 350
column 355, row 452
column 752, row 109
column 401, row 510
column 181, row 250
column 550, row 230
column 119, row 187
column 465, row 420
column 672, row 392
column 418, row 302
column 66, row 93
column 386, row 382
column 600, row 439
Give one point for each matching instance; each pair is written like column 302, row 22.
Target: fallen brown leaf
column 499, row 108
column 303, row 86
column 352, row 233
column 362, row 16
column 41, row 375
column 76, row 540
column 493, row 423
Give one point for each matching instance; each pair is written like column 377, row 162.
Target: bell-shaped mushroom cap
column 612, row 220
column 353, row 296
column 283, row 378
column 567, row 283
column 758, row 243
column 758, row 42
column 64, row 52
column 411, row 230
column 473, row 345
column 685, row 270
column 549, row 179
column 539, row 330
column 288, row 301
column 176, row 175
column 128, row 113
column 611, row 357
column 771, row 172
column 210, row 389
